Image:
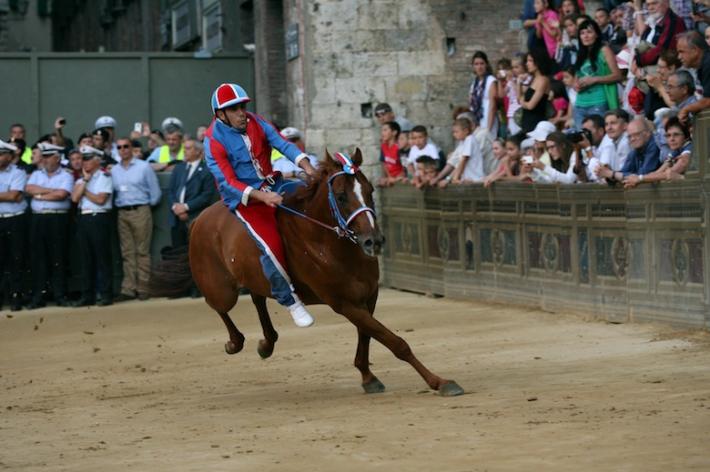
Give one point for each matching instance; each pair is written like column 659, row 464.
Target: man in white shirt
column 421, row 146
column 614, row 147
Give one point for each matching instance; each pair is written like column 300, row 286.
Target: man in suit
column 192, row 189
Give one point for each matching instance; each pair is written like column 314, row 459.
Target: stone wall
column 413, row 54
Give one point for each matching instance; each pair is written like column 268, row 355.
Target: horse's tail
column 171, row 276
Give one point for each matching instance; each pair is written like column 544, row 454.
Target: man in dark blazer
column 192, row 189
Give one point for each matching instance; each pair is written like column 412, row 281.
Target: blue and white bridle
column 343, row 229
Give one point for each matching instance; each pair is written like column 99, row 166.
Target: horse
column 331, row 260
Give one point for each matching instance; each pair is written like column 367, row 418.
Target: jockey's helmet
column 227, row 95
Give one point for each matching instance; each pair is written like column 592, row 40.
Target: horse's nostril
column 368, row 242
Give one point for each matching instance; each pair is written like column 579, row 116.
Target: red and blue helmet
column 227, row 95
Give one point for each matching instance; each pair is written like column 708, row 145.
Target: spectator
column 569, row 7
column 482, row 96
column 681, row 90
column 465, row 163
column 404, row 147
column 17, row 131
column 392, row 168
column 562, row 168
column 155, row 140
column 509, row 90
column 539, row 136
column 426, row 171
column 618, row 38
column 694, row 53
column 169, row 153
column 100, row 138
column 643, row 159
column 136, row 189
column 200, row 133
column 75, row 163
column 108, row 124
column 597, row 74
column 504, row 74
column 595, row 125
column 85, row 139
column 293, row 135
column 568, row 48
column 560, row 103
column 421, row 146
column 137, row 148
column 192, row 189
column 50, row 188
column 707, row 35
column 569, row 78
column 12, row 225
column 547, row 26
column 677, row 161
column 384, row 113
column 171, row 124
column 92, row 193
column 658, row 96
column 684, row 9
column 601, row 16
column 534, row 100
column 658, row 30
column 509, row 167
column 483, row 137
column 614, row 147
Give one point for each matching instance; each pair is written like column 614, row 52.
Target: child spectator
column 420, row 146
column 482, row 93
column 560, row 102
column 504, row 68
column 601, row 16
column 392, row 168
column 426, row 169
column 569, row 79
column 403, row 146
column 465, row 163
column 547, row 26
column 509, row 163
column 568, row 48
column 569, row 7
column 517, row 73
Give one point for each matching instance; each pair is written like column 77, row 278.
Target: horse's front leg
column 266, row 345
column 370, row 383
column 368, row 326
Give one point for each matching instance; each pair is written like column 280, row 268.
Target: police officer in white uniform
column 12, row 225
column 92, row 193
column 50, row 188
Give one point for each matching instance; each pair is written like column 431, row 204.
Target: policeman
column 50, row 189
column 92, row 192
column 12, row 224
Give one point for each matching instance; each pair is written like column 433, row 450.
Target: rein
column 343, row 229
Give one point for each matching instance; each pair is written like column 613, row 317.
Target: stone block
column 374, row 64
column 376, row 15
column 407, row 88
column 414, row 14
column 359, row 89
column 421, row 62
column 325, row 14
column 324, row 91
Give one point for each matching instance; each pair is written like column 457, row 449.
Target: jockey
column 238, row 153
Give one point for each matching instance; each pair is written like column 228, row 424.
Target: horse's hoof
column 265, row 349
column 231, row 348
column 373, row 386
column 450, row 389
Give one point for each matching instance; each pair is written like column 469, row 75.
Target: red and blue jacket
column 241, row 162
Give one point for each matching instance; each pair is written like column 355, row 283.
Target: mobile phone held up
column 138, row 127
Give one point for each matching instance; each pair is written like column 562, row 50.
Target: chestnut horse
column 338, row 268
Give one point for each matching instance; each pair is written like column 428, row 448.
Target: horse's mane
column 306, row 193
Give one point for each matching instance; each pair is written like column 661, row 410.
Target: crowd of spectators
column 605, row 97
column 60, row 199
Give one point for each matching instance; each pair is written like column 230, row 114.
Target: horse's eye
column 342, row 198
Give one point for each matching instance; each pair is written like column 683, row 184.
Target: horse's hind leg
column 370, row 383
column 236, row 338
column 266, row 345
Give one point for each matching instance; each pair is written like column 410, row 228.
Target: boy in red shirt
column 392, row 168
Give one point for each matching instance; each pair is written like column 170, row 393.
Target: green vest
column 27, row 155
column 165, row 154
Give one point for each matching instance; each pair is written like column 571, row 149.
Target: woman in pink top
column 547, row 26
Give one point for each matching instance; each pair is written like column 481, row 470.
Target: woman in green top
column 597, row 74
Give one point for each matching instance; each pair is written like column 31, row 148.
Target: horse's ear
column 328, row 157
column 357, row 157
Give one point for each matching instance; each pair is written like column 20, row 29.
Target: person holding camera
column 92, row 193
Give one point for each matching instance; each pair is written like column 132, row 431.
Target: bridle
column 343, row 229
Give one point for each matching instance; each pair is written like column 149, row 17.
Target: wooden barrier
column 636, row 255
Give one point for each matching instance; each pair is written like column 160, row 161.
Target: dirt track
column 147, row 386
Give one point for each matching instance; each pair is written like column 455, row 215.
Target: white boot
column 300, row 315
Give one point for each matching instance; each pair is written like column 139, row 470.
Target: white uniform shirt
column 98, row 183
column 11, row 179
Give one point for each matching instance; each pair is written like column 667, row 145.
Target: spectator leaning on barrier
column 643, row 159
column 12, row 225
column 680, row 152
column 192, row 189
column 50, row 188
column 392, row 168
column 92, row 192
column 465, row 163
column 421, row 146
column 614, row 147
column 694, row 53
column 136, row 189
column 170, row 153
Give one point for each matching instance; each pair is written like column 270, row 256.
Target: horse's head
column 350, row 201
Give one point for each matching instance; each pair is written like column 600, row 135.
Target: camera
column 527, row 159
column 576, row 137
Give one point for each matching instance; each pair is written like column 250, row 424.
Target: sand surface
column 146, row 386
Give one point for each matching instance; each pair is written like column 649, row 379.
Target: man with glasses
column 644, row 157
column 92, row 193
column 694, row 53
column 384, row 114
column 50, row 188
column 12, row 224
column 136, row 188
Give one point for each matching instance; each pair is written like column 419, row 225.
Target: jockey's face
column 235, row 116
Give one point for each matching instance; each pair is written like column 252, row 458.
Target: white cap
column 90, row 151
column 105, row 122
column 542, row 130
column 48, row 149
column 171, row 122
column 291, row 133
column 527, row 144
column 7, row 147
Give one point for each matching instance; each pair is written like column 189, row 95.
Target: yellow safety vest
column 27, row 155
column 275, row 155
column 165, row 154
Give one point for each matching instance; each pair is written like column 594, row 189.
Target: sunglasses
column 380, row 113
column 123, row 146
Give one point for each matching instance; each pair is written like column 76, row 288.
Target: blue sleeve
column 155, row 155
column 630, row 164
column 153, row 186
column 651, row 160
column 286, row 148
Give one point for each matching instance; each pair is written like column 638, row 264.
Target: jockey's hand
column 306, row 165
column 269, row 198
